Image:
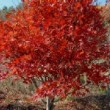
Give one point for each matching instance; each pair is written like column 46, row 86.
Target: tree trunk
column 49, row 101
column 49, row 104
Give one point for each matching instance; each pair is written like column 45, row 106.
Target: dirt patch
column 18, row 107
column 101, row 102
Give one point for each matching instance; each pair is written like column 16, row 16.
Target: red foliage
column 57, row 42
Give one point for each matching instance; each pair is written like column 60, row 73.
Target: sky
column 13, row 3
column 101, row 1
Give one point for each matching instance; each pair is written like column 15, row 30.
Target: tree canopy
column 57, row 42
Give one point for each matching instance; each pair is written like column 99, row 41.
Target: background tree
column 7, row 10
column 55, row 44
column 3, row 12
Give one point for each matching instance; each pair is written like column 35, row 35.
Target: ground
column 98, row 102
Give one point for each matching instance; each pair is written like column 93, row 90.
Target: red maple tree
column 56, row 42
